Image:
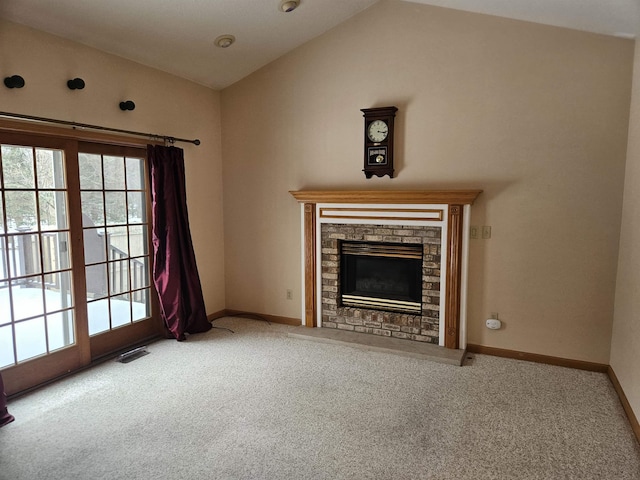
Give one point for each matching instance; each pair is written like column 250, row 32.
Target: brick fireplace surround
column 422, row 328
column 434, row 218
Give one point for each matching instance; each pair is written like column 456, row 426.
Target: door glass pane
column 49, row 169
column 116, row 207
column 96, row 276
column 118, row 242
column 138, row 240
column 135, row 174
column 55, row 251
column 137, row 207
column 119, row 276
column 4, row 264
column 6, row 346
column 139, row 272
column 5, row 304
column 31, row 338
column 53, row 210
column 58, row 292
column 94, row 245
column 114, row 173
column 90, row 171
column 98, row 311
column 60, row 329
column 120, row 311
column 17, row 167
column 140, row 304
column 92, row 209
column 26, row 255
column 21, row 210
column 28, row 299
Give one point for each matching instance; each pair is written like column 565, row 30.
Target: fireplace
column 381, row 276
column 434, row 219
column 382, row 279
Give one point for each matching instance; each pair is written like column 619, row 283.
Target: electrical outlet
column 486, row 232
column 473, row 231
column 289, row 294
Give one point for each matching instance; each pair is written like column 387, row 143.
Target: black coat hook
column 75, row 84
column 128, row 105
column 16, row 81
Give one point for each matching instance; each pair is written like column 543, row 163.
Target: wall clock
column 378, row 141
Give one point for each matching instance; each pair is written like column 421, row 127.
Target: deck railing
column 119, row 279
column 20, row 257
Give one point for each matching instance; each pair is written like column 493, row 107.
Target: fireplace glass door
column 381, row 276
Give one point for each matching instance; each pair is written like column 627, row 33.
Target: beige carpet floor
column 257, row 404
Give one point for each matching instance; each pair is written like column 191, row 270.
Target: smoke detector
column 224, row 41
column 289, row 5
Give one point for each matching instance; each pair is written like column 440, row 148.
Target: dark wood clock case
column 378, row 156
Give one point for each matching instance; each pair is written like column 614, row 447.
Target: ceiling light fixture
column 225, row 41
column 289, row 5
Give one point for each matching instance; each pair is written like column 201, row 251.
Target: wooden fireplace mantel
column 449, row 197
column 456, row 201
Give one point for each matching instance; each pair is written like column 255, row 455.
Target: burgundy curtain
column 4, row 414
column 175, row 273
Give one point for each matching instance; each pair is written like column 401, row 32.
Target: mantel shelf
column 450, row 197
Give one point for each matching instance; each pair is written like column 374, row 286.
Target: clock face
column 378, row 130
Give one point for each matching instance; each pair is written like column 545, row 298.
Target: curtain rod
column 97, row 127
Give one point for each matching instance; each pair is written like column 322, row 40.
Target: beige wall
column 165, row 104
column 625, row 344
column 536, row 116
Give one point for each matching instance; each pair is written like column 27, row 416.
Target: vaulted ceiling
column 179, row 36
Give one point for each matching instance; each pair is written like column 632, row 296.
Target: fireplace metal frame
column 350, row 250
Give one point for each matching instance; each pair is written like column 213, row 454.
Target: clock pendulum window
column 378, row 141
